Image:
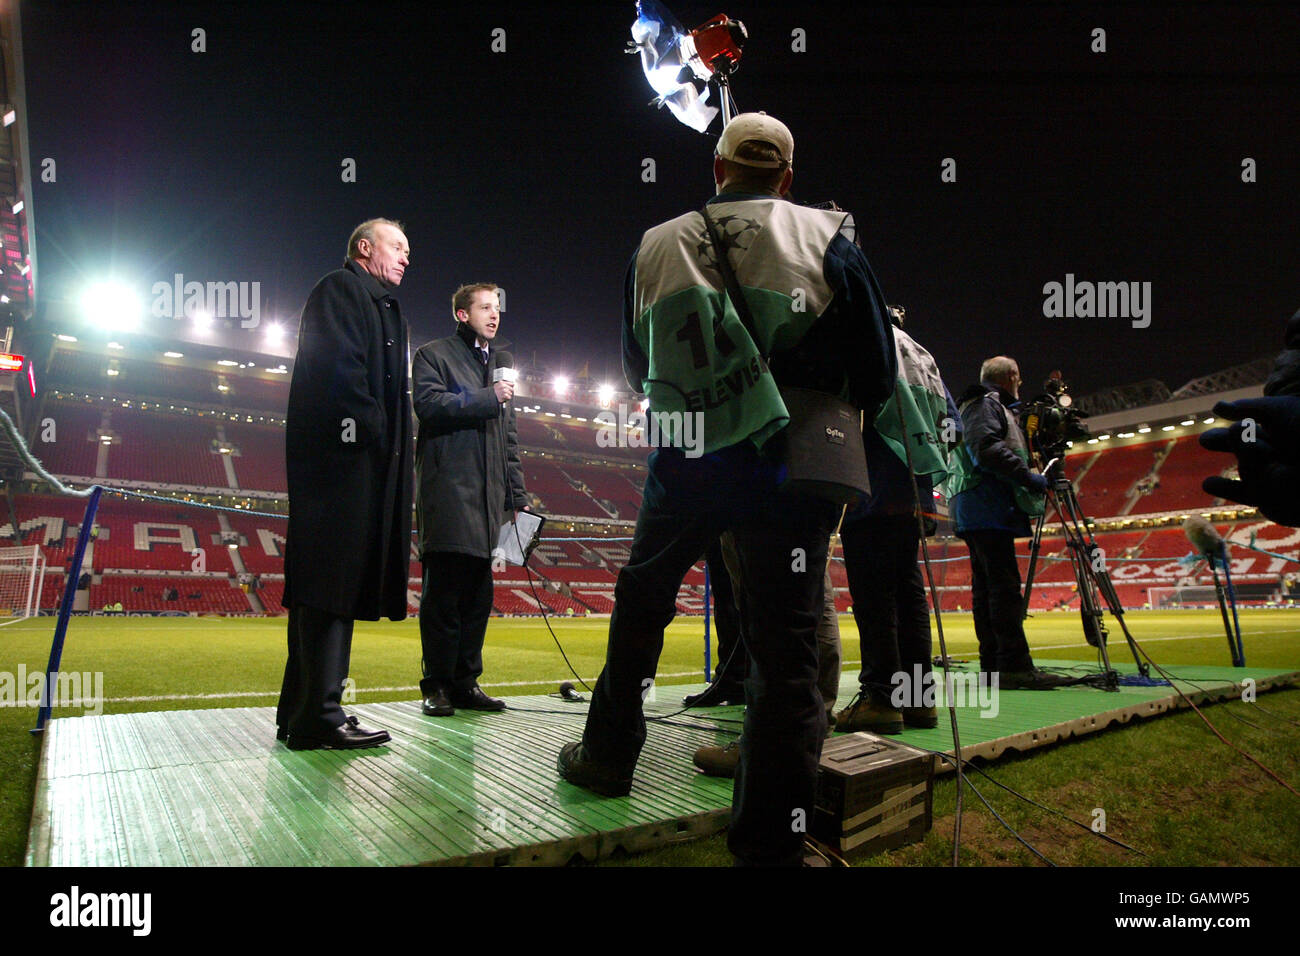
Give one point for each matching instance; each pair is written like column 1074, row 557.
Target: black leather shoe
column 716, row 695
column 438, row 704
column 349, row 735
column 1032, row 679
column 477, row 700
column 576, row 766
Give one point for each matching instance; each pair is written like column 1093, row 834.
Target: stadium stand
column 565, row 467
column 259, row 462
column 180, row 447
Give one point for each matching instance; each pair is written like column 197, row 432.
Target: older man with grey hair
column 349, row 453
column 994, row 492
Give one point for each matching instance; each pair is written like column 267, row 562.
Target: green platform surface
column 213, row 787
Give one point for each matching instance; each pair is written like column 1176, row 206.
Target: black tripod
column 1090, row 575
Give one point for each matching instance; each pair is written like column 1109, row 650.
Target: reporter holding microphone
column 467, row 481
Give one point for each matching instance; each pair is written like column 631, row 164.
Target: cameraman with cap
column 994, row 493
column 819, row 313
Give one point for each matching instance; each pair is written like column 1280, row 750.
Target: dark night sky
column 524, row 167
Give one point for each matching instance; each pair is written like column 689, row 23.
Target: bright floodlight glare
column 66, row 338
column 561, row 385
column 174, row 354
column 112, row 306
column 605, row 393
column 1188, row 421
column 1166, row 428
column 1209, row 421
column 275, row 333
column 202, row 319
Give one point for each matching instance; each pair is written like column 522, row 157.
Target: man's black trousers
column 996, row 601
column 782, row 543
column 731, row 661
column 454, row 610
column 320, row 649
column 888, row 602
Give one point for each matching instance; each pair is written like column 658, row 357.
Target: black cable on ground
column 1214, row 730
column 1078, row 823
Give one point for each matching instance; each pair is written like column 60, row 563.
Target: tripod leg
column 1033, row 561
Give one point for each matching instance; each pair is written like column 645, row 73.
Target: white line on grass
column 589, row 680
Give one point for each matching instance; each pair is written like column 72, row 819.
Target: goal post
column 22, row 580
column 1182, row 596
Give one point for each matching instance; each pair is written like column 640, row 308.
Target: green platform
column 212, row 787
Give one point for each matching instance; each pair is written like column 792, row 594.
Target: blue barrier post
column 708, row 668
column 65, row 610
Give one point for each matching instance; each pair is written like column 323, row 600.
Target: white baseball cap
column 763, row 128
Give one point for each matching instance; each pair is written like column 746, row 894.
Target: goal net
column 22, row 577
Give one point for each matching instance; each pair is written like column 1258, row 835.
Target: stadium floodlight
column 1143, row 429
column 1187, row 421
column 1208, row 421
column 1103, row 437
column 11, row 115
column 229, row 363
column 15, row 205
column 117, row 345
column 4, row 299
column 66, row 338
column 605, row 393
column 174, row 354
column 202, row 319
column 275, row 333
column 561, row 385
column 111, row 305
column 1166, row 428
column 1092, row 441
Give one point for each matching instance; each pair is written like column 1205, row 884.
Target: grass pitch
column 1167, row 780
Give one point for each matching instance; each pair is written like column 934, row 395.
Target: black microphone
column 568, row 693
column 1204, row 537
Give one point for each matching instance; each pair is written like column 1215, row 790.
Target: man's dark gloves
column 1038, row 483
column 1266, row 441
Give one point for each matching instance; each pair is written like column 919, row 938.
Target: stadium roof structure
column 17, row 247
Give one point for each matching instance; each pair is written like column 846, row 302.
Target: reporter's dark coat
column 349, row 452
column 463, row 493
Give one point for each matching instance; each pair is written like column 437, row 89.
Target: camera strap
column 733, row 290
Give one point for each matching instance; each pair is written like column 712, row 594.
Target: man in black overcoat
column 470, row 478
column 349, row 454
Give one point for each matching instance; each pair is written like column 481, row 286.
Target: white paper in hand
column 518, row 538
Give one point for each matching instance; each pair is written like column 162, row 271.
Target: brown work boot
column 719, row 761
column 865, row 714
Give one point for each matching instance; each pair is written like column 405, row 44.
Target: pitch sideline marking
column 556, row 680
